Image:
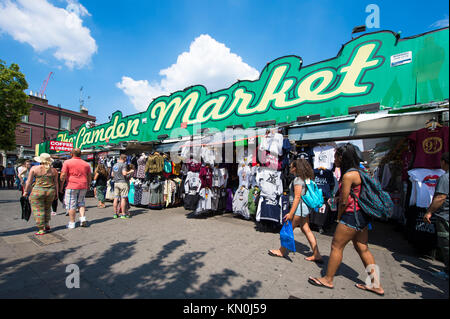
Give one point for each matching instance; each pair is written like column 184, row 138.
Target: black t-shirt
column 101, row 180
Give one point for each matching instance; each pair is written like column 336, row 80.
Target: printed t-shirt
column 77, row 172
column 117, row 170
column 429, row 147
column 424, row 182
column 324, row 157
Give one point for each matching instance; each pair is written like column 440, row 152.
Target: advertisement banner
column 61, row 146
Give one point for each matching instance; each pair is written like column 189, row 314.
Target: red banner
column 61, row 146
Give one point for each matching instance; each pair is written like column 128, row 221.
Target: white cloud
column 441, row 23
column 208, row 62
column 44, row 27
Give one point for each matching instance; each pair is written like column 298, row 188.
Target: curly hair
column 101, row 169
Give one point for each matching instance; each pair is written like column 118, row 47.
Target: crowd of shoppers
column 45, row 183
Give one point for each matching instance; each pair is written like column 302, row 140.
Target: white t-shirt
column 208, row 155
column 240, row 202
column 324, row 156
column 244, row 156
column 244, row 173
column 193, row 183
column 423, row 185
column 204, row 203
column 272, row 143
column 269, row 181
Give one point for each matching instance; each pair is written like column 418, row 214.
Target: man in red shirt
column 78, row 175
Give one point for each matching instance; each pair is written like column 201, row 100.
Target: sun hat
column 43, row 158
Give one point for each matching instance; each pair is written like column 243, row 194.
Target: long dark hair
column 348, row 157
column 303, row 169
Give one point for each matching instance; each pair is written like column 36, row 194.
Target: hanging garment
column 131, row 193
column 269, row 209
column 253, row 200
column 204, row 204
column 109, row 190
column 325, row 181
column 156, row 195
column 429, row 145
column 244, row 173
column 215, row 198
column 423, row 185
column 240, row 202
column 138, row 194
column 269, row 181
column 324, row 156
column 244, row 156
column 192, row 183
column 145, row 198
column 272, row 143
column 229, row 204
column 206, row 176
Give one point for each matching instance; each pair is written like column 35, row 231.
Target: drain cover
column 47, row 239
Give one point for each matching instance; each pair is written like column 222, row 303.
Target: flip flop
column 363, row 287
column 316, row 282
column 320, row 261
column 275, row 255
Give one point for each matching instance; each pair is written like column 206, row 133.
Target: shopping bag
column 26, row 208
column 287, row 236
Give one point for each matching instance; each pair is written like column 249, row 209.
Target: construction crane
column 44, row 85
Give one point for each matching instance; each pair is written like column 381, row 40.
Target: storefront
column 376, row 93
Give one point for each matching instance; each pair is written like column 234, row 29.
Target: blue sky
column 124, row 53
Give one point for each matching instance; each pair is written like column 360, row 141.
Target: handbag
column 26, row 208
column 287, row 236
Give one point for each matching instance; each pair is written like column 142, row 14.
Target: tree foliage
column 13, row 103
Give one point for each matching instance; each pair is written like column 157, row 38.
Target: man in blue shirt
column 10, row 175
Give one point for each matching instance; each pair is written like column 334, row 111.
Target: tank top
column 351, row 204
column 44, row 181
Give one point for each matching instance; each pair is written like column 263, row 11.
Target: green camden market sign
column 376, row 67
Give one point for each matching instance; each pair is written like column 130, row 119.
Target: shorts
column 302, row 210
column 121, row 190
column 349, row 219
column 74, row 198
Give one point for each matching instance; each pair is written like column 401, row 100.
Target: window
column 25, row 118
column 65, row 122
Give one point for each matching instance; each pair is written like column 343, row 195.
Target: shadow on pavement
column 162, row 276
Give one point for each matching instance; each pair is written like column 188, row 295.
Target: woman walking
column 299, row 212
column 45, row 190
column 352, row 224
column 100, row 178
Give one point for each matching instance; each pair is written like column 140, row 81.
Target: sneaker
column 441, row 275
column 53, row 213
column 83, row 222
column 124, row 216
column 115, row 216
column 71, row 225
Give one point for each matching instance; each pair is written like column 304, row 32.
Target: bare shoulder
column 352, row 176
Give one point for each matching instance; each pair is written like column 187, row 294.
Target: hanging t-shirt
column 325, row 181
column 306, row 153
column 272, row 143
column 244, row 173
column 324, row 156
column 253, row 199
column 204, row 204
column 206, row 176
column 269, row 181
column 424, row 182
column 269, row 209
column 192, row 184
column 429, row 147
column 240, row 202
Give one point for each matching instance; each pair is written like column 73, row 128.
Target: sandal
column 364, row 287
column 39, row 233
column 316, row 282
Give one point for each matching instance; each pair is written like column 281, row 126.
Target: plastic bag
column 287, row 236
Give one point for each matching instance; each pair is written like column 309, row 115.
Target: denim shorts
column 349, row 219
column 302, row 210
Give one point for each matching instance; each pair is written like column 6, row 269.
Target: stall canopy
column 374, row 68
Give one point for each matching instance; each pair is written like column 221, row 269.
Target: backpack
column 313, row 197
column 373, row 200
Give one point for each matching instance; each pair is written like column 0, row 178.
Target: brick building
column 42, row 119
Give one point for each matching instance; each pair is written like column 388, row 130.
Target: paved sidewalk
column 164, row 254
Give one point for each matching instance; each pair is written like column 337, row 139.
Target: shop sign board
column 360, row 74
column 61, row 146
